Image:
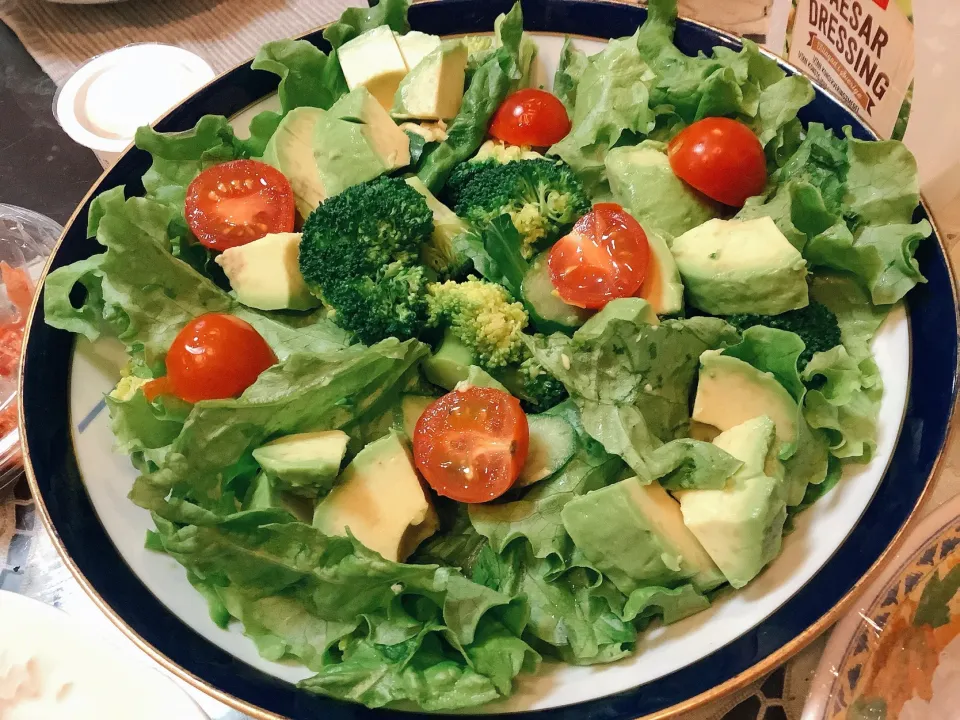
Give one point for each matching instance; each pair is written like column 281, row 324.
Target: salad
column 437, row 375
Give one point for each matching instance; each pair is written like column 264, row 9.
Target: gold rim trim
column 741, row 680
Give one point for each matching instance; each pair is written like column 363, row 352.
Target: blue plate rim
column 648, row 701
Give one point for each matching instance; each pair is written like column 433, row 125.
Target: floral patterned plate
column 896, row 656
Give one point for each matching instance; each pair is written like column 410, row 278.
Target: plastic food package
column 26, row 239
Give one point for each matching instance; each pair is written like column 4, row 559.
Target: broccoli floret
column 482, row 316
column 500, row 152
column 543, row 197
column 537, row 389
column 360, row 254
column 815, row 324
column 393, row 303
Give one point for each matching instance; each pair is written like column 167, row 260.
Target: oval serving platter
column 81, row 485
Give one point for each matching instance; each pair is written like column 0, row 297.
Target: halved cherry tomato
column 214, row 356
column 530, row 117
column 721, row 158
column 238, row 202
column 471, row 444
column 604, row 257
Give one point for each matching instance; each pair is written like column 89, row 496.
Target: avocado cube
column 373, row 61
column 741, row 266
column 380, row 500
column 634, row 534
column 450, row 363
column 415, row 46
column 662, row 286
column 741, row 525
column 447, row 225
column 433, row 89
column 306, row 463
column 265, row 273
column 290, row 150
column 356, row 141
column 731, row 392
column 411, row 408
column 643, row 182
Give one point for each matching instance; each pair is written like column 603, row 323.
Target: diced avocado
column 643, row 182
column 265, row 493
column 356, row 141
column 415, row 46
column 741, row 266
column 634, row 534
column 635, row 311
column 290, row 150
column 412, row 407
column 552, row 443
column 433, row 89
column 380, row 500
column 373, row 60
column 265, row 274
column 662, row 287
column 741, row 525
column 478, row 377
column 449, row 364
column 446, row 226
column 731, row 392
column 306, row 463
column 542, row 298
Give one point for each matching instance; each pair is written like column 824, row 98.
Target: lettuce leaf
column 309, row 77
column 574, row 617
column 618, row 358
column 570, row 69
column 536, row 517
column 490, row 84
column 405, row 632
column 632, row 382
column 745, row 84
column 611, row 101
column 178, row 157
column 356, row 21
column 846, row 387
column 848, row 205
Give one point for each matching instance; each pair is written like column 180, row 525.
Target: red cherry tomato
column 530, row 117
column 471, row 444
column 238, row 202
column 215, row 356
column 721, row 158
column 604, row 257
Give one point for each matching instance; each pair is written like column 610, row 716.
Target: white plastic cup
column 103, row 103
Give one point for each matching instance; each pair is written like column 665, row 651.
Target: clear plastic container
column 26, row 240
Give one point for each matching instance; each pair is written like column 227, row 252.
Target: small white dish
column 53, row 668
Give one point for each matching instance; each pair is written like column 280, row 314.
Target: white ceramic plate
column 661, row 650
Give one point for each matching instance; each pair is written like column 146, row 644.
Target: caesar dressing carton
column 862, row 51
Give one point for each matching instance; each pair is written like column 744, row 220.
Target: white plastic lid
column 104, row 102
